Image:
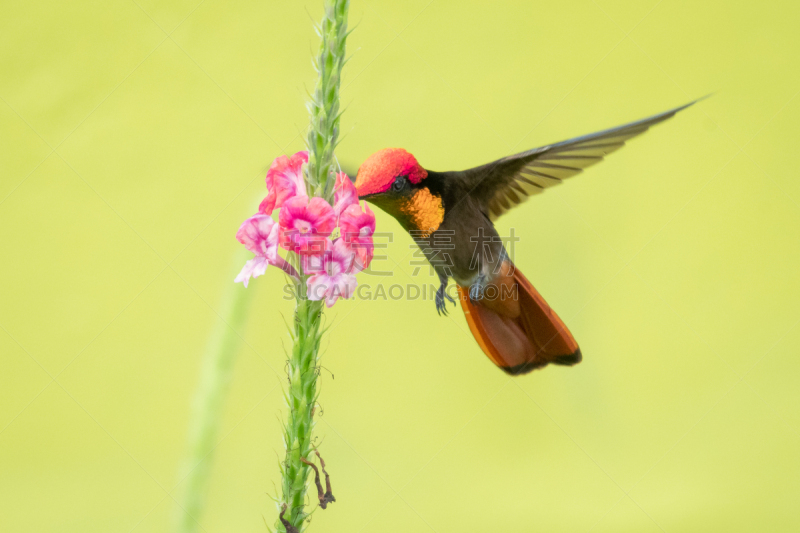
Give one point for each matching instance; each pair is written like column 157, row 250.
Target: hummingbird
column 451, row 215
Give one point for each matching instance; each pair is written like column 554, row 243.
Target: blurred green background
column 135, row 139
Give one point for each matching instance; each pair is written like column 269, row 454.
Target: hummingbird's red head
column 379, row 171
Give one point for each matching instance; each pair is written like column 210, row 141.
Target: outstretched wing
column 507, row 182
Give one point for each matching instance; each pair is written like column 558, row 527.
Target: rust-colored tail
column 516, row 328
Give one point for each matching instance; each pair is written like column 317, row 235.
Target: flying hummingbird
column 451, row 215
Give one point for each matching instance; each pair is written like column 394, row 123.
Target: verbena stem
column 301, row 395
column 324, row 104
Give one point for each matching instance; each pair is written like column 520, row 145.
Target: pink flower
column 345, row 194
column 313, row 262
column 259, row 234
column 284, row 181
column 252, row 269
column 336, row 280
column 305, row 223
column 357, row 227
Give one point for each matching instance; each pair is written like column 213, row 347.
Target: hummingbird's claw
column 441, row 306
column 441, row 294
column 476, row 292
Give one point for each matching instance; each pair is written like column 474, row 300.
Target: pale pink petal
column 342, row 257
column 331, row 298
column 341, row 286
column 313, row 263
column 316, row 262
column 347, row 284
column 252, row 269
column 271, row 244
column 259, row 234
column 336, row 280
column 344, row 194
column 317, row 287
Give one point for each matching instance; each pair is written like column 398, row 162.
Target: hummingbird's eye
column 399, row 183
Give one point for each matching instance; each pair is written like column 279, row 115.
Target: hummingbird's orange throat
column 423, row 210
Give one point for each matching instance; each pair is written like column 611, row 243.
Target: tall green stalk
column 301, row 395
column 324, row 104
column 209, row 400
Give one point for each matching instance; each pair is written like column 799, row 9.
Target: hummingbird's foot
column 441, row 294
column 477, row 289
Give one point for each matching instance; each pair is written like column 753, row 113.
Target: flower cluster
column 305, row 227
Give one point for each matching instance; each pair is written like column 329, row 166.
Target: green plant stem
column 302, row 392
column 324, row 105
column 209, row 400
column 301, row 398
